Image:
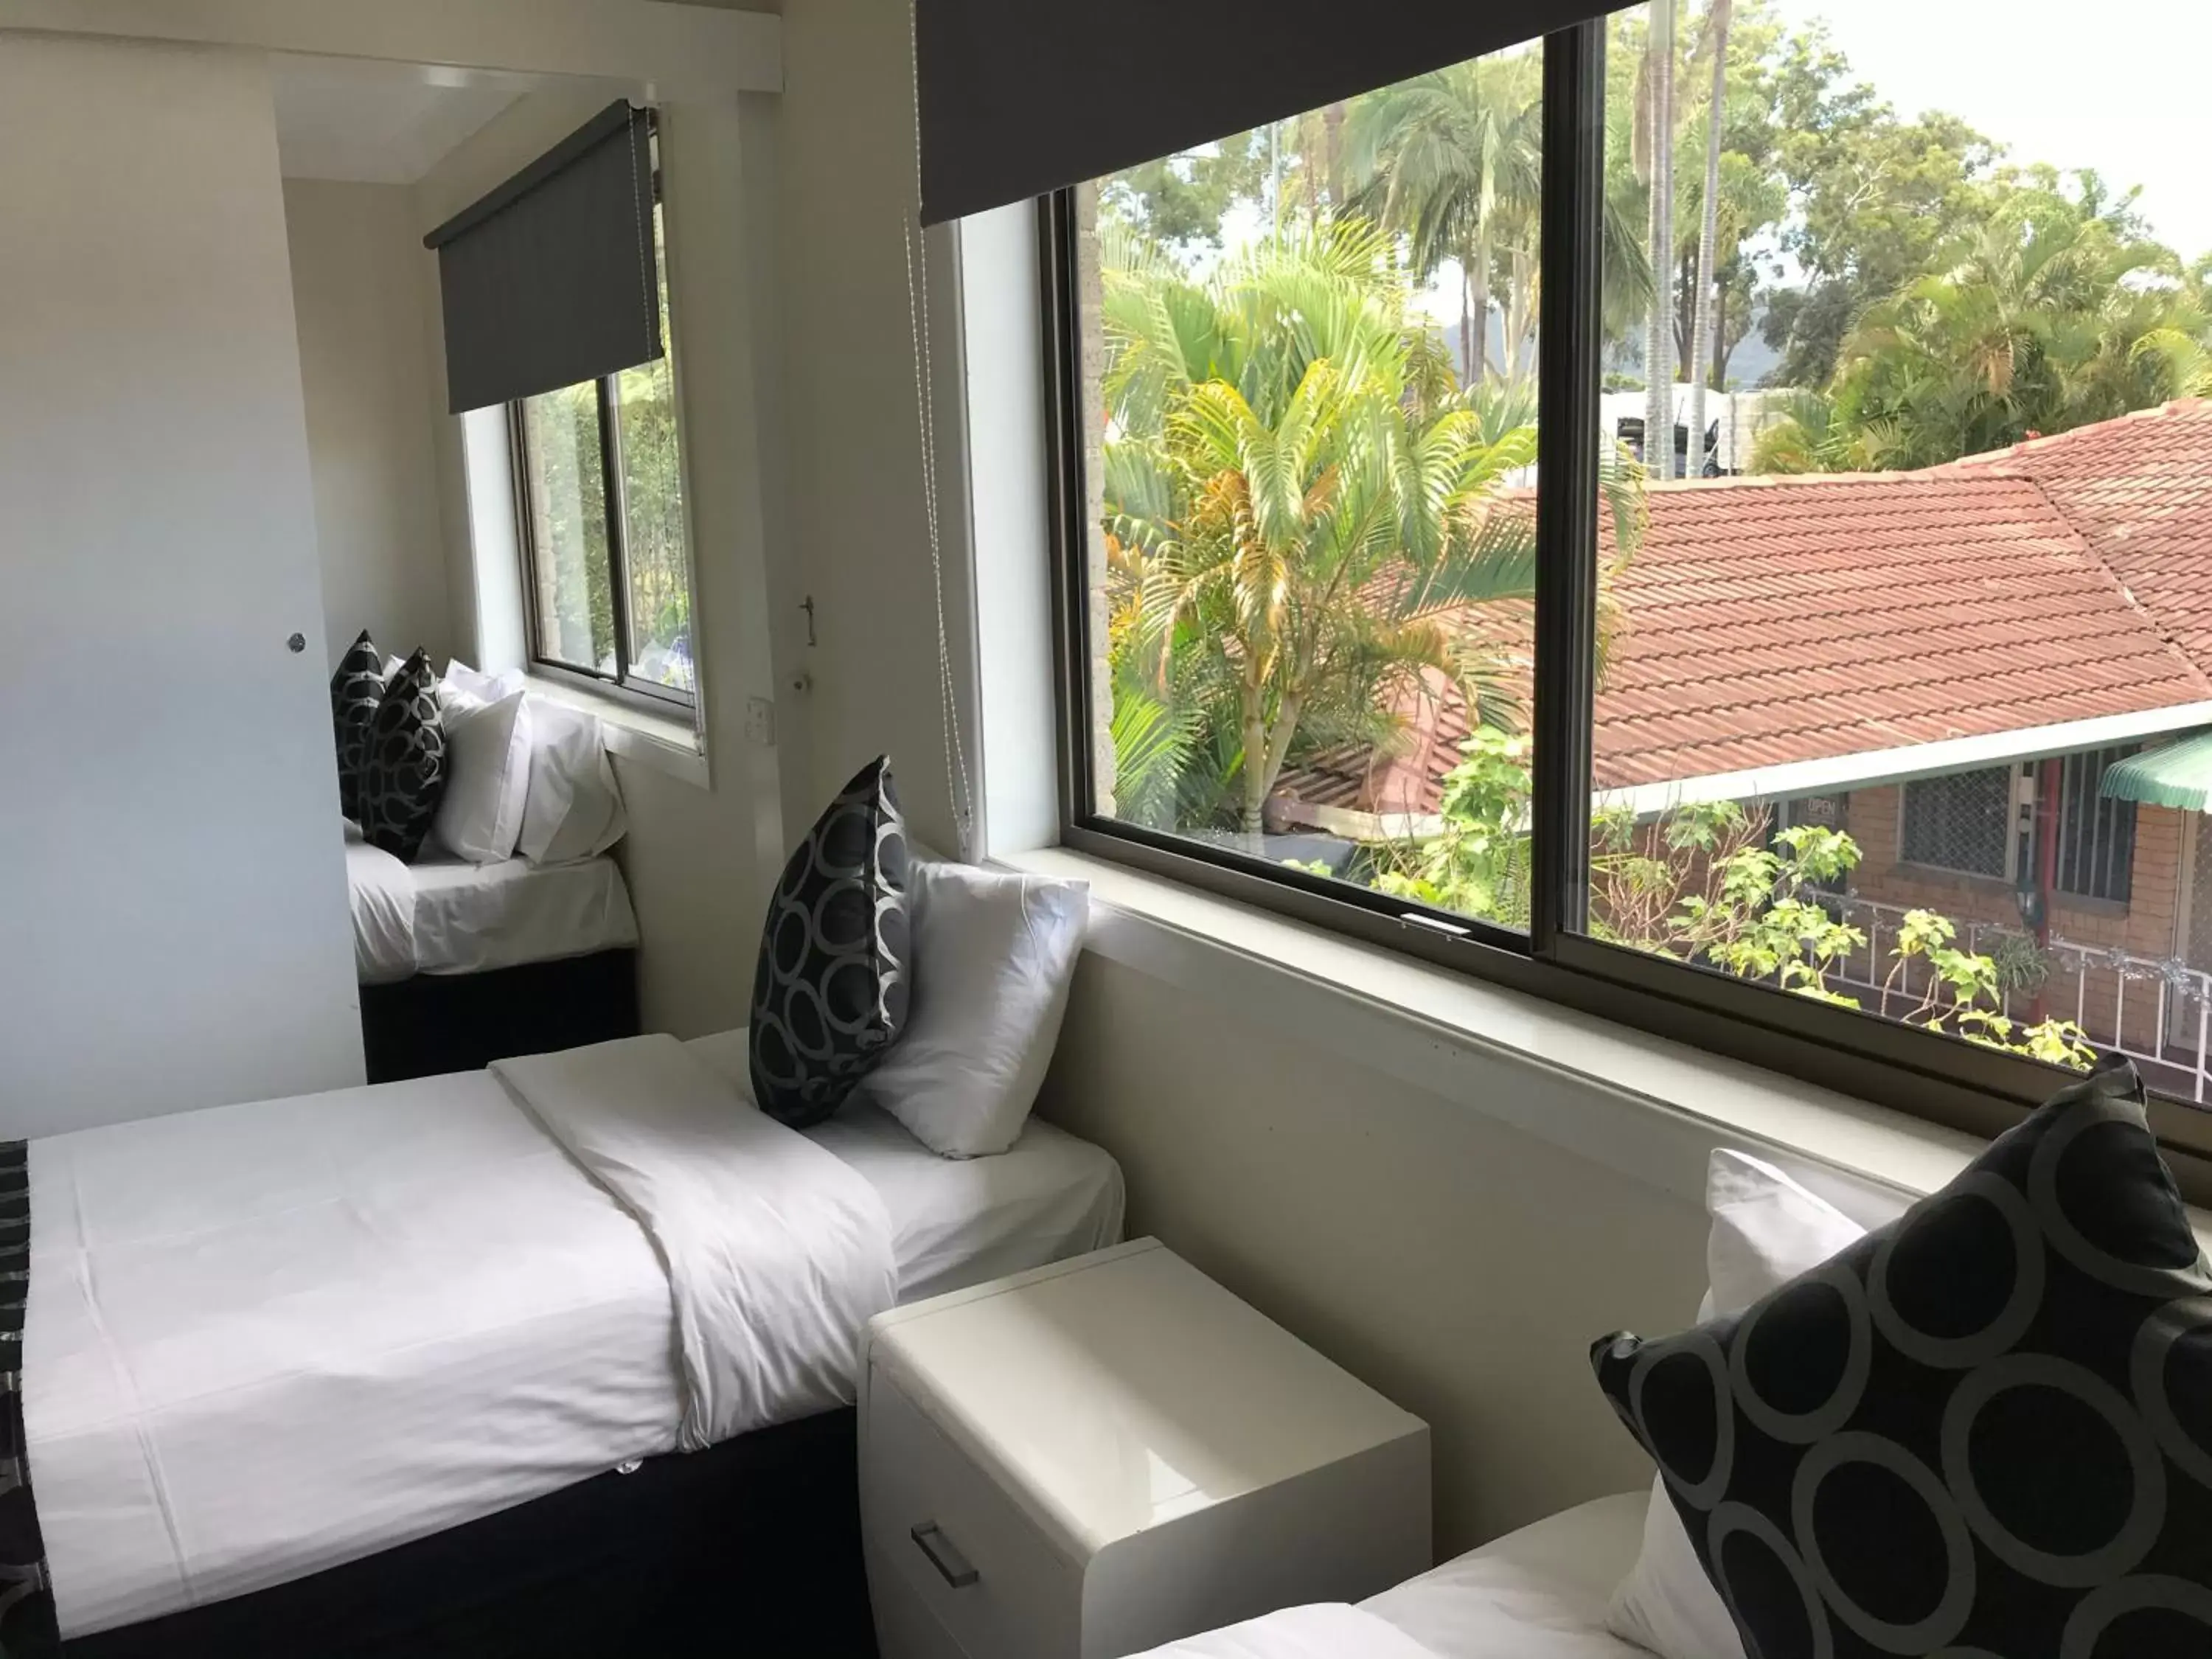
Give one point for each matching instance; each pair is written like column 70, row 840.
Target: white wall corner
column 492, row 550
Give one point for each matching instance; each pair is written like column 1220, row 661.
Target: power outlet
column 760, row 722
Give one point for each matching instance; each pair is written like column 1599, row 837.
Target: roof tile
column 1766, row 620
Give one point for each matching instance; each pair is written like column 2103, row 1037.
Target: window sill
column 1648, row 1109
column 667, row 742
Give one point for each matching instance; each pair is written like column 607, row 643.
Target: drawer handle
column 951, row 1564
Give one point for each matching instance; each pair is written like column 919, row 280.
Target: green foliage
column 2051, row 313
column 1180, row 201
column 568, row 504
column 1295, row 494
column 1705, row 883
column 1453, row 160
column 1478, row 865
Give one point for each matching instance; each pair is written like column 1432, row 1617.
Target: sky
column 2117, row 85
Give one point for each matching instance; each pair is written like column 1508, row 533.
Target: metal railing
column 2170, row 1039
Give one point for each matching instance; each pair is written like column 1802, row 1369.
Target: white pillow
column 1766, row 1230
column 575, row 810
column 994, row 955
column 486, row 773
column 484, row 687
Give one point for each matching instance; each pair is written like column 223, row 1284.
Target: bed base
column 750, row 1550
column 437, row 1023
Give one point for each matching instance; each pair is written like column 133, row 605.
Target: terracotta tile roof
column 2139, row 490
column 1767, row 621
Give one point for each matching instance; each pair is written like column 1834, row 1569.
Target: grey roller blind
column 1021, row 97
column 551, row 278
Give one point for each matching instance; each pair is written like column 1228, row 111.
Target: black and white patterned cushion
column 402, row 776
column 830, row 991
column 356, row 688
column 1983, row 1429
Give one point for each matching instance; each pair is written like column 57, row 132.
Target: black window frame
column 646, row 694
column 1940, row 1078
column 2096, row 834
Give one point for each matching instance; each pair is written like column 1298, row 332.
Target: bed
column 461, row 963
column 371, row 1364
column 1539, row 1593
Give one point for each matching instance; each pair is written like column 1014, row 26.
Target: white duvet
column 267, row 1338
column 777, row 1252
column 1539, row 1593
column 1328, row 1630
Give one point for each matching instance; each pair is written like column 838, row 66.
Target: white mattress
column 957, row 1222
column 267, row 1338
column 1539, row 1593
column 444, row 915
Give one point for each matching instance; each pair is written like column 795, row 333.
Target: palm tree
column 1295, row 498
column 2042, row 319
column 1454, row 160
column 1717, row 15
column 1655, row 123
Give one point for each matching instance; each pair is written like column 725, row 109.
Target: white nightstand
column 1110, row 1453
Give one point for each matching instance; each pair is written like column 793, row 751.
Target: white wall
column 357, row 290
column 1460, row 1266
column 853, row 437
column 171, row 885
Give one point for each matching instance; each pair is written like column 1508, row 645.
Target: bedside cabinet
column 1109, row 1453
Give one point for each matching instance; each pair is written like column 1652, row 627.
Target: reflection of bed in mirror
column 461, row 964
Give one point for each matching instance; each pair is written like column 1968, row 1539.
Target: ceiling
column 377, row 123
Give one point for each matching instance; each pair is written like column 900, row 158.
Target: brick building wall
column 2146, row 925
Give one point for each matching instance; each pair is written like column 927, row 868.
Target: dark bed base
column 750, row 1550
column 437, row 1023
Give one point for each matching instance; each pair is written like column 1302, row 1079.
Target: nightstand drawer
column 962, row 1547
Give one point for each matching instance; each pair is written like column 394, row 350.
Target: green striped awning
column 2179, row 775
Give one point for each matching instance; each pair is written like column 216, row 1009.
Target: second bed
column 270, row 1339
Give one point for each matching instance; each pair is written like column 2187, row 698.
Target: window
column 2096, row 851
column 1377, row 608
column 607, row 565
column 1966, row 822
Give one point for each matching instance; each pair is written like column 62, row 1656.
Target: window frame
column 646, row 694
column 1943, row 1078
column 2014, row 853
column 2080, row 778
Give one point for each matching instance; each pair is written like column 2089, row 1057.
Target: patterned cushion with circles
column 1983, row 1430
column 402, row 776
column 356, row 688
column 830, row 991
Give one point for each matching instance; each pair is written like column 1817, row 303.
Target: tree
column 1717, row 14
column 1874, row 199
column 1296, row 496
column 1654, row 106
column 1707, row 883
column 2052, row 311
column 1180, row 201
column 1453, row 160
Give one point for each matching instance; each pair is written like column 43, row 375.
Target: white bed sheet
column 1539, row 1593
column 344, row 1320
column 353, row 1319
column 957, row 1222
column 444, row 915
